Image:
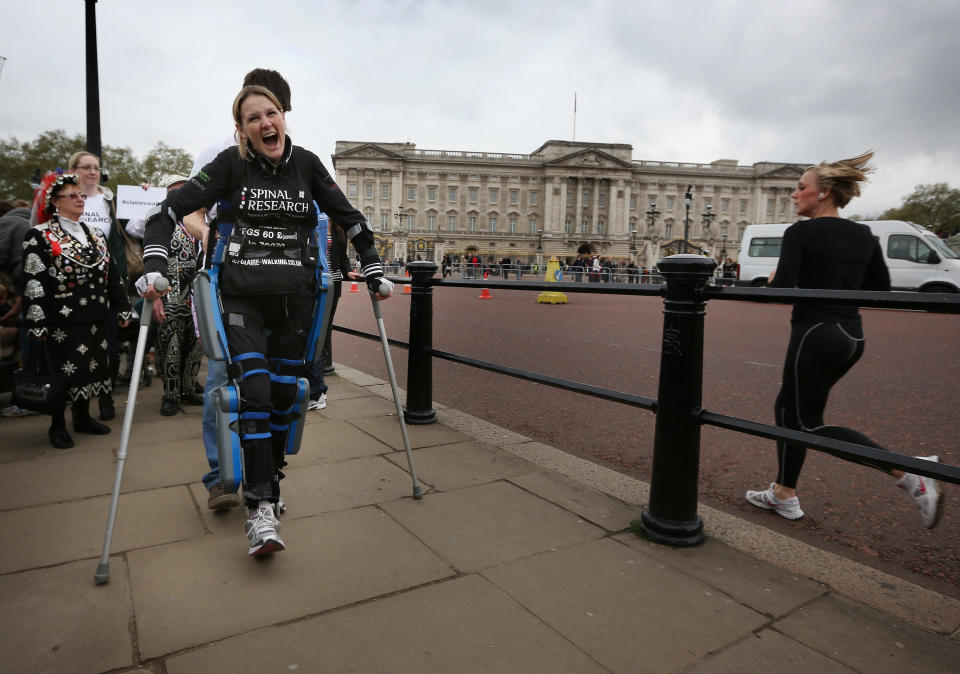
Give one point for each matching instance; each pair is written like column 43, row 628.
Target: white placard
column 133, row 201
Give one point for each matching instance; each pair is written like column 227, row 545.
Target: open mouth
column 271, row 141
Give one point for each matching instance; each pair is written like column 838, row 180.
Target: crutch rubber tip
column 417, row 493
column 103, row 574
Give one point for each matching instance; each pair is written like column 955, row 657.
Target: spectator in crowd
column 198, row 225
column 72, row 286
column 178, row 348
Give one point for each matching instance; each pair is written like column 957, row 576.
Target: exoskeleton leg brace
column 290, row 392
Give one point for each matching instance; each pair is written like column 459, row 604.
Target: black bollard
column 671, row 516
column 419, row 408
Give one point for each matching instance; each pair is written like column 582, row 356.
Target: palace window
column 431, row 222
column 670, row 201
column 384, row 221
column 411, row 192
column 601, row 227
column 493, row 223
column 432, row 193
column 567, row 226
column 452, row 194
column 494, row 195
column 633, row 202
column 368, row 190
column 743, row 205
column 513, row 225
column 385, row 191
column 514, row 196
column 724, row 205
column 452, row 223
column 602, row 199
column 473, row 194
column 533, row 225
column 534, row 198
column 352, row 190
column 585, row 226
column 668, row 230
column 472, row 223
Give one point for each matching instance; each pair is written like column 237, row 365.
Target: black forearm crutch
column 417, row 492
column 103, row 569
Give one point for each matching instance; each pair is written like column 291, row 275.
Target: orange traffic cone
column 485, row 294
column 406, row 289
column 354, row 288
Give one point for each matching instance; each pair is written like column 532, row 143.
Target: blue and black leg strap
column 244, row 365
column 254, row 426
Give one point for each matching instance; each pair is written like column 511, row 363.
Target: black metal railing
column 671, row 515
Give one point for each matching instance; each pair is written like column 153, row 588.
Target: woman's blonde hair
column 77, row 156
column 245, row 93
column 842, row 178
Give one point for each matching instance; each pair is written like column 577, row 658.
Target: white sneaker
column 789, row 508
column 14, row 411
column 261, row 527
column 319, row 403
column 925, row 493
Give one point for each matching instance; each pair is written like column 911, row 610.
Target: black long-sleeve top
column 262, row 196
column 834, row 254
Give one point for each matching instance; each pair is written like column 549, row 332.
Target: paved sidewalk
column 517, row 559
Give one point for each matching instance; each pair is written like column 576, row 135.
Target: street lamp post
column 539, row 250
column 400, row 234
column 723, row 248
column 688, row 202
column 708, row 217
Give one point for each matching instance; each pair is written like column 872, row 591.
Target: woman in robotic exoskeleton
column 267, row 281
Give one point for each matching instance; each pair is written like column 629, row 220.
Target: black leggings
column 819, row 354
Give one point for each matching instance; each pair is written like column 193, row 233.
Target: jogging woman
column 829, row 252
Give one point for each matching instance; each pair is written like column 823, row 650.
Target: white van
column 916, row 257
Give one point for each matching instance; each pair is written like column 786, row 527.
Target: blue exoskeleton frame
column 226, row 398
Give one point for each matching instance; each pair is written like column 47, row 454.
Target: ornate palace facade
column 563, row 198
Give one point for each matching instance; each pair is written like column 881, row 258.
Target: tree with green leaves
column 24, row 162
column 935, row 206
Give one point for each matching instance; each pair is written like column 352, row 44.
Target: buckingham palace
column 562, row 199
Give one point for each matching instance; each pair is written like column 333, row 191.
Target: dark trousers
column 818, row 355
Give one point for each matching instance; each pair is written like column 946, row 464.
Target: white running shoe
column 925, row 493
column 261, row 527
column 789, row 508
column 318, row 404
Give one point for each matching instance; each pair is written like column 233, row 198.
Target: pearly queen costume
column 177, row 343
column 71, row 283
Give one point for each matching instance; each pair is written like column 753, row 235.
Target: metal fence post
column 671, row 516
column 419, row 408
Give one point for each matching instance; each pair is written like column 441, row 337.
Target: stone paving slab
column 207, row 589
column 340, row 389
column 590, row 504
column 462, row 625
column 386, row 429
column 316, row 489
column 169, row 463
column 335, row 441
column 57, row 620
column 477, row 527
column 463, row 464
column 630, row 612
column 867, row 640
column 767, row 651
column 56, row 476
column 64, row 532
column 365, row 407
column 761, row 586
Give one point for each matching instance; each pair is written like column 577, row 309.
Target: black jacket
column 272, row 209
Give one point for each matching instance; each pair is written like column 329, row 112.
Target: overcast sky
column 687, row 81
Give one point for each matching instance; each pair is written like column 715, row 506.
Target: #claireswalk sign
column 133, row 201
